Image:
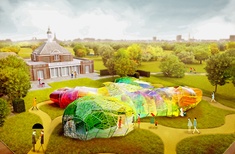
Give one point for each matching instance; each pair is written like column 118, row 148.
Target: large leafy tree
column 186, row 57
column 172, row 67
column 110, row 64
column 123, row 64
column 230, row 45
column 14, row 77
column 216, row 68
column 213, row 48
column 107, row 52
column 231, row 70
column 80, row 50
column 201, row 54
column 135, row 53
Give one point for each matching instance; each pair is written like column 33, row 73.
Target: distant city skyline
column 117, row 20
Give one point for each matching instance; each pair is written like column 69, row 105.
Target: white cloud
column 115, row 20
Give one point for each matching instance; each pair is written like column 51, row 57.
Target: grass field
column 207, row 144
column 207, row 115
column 138, row 141
column 25, row 52
column 16, row 132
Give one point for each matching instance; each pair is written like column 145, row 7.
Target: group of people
column 192, row 70
column 34, row 139
column 194, row 124
column 73, row 74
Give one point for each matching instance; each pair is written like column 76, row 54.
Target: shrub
column 4, row 110
column 18, row 105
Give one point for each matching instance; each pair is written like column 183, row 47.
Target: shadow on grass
column 138, row 141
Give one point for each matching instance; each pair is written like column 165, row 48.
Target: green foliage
column 123, row 64
column 213, row 48
column 216, row 68
column 107, row 52
column 14, row 77
column 4, row 111
column 94, row 47
column 230, row 45
column 186, row 57
column 167, row 46
column 80, row 50
column 18, row 105
column 12, row 48
column 135, row 53
column 110, row 64
column 201, row 54
column 172, row 67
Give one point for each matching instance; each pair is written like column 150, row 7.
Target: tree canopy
column 172, row 67
column 216, row 68
column 14, row 77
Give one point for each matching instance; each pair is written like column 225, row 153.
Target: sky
column 117, row 19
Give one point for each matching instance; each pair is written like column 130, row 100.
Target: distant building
column 179, row 38
column 232, row 38
column 50, row 60
column 154, row 38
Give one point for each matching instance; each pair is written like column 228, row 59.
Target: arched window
column 56, row 57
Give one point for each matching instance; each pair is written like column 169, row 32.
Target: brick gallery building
column 50, row 60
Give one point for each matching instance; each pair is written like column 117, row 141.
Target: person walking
column 41, row 140
column 138, row 120
column 35, row 104
column 195, row 126
column 120, row 122
column 213, row 97
column 189, row 125
column 34, row 139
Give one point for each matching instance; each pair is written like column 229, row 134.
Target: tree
column 201, row 55
column 14, row 77
column 231, row 71
column 186, row 57
column 13, row 48
column 110, row 64
column 216, row 68
column 106, row 51
column 4, row 110
column 230, row 45
column 135, row 53
column 213, row 48
column 172, row 67
column 123, row 64
column 94, row 47
column 80, row 50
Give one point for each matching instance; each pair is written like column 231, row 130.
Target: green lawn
column 17, row 129
column 206, row 144
column 207, row 117
column 138, row 141
column 25, row 52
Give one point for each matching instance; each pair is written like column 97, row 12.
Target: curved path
column 170, row 136
column 48, row 125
